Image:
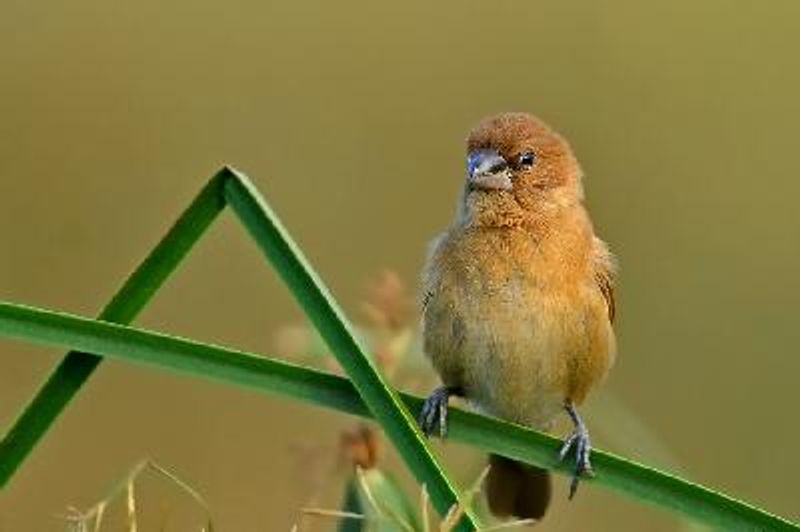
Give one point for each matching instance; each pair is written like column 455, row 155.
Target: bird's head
column 517, row 169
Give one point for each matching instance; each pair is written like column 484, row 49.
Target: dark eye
column 526, row 159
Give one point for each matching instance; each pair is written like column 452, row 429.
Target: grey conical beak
column 488, row 170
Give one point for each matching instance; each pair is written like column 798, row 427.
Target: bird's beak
column 488, row 170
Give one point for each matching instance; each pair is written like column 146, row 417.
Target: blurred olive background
column 350, row 117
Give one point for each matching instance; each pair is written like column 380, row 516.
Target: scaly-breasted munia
column 518, row 299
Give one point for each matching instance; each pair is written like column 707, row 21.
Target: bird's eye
column 526, row 159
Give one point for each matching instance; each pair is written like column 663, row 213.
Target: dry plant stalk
column 92, row 519
column 448, row 524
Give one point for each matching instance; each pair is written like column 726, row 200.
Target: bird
column 518, row 301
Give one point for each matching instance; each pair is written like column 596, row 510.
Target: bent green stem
column 262, row 374
column 229, row 186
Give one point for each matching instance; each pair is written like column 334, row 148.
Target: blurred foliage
column 388, row 328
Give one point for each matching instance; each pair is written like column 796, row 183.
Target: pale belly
column 517, row 349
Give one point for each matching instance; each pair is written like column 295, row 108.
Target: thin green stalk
column 321, row 308
column 248, row 370
column 231, row 186
column 76, row 367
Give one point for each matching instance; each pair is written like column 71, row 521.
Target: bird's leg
column 583, row 448
column 434, row 410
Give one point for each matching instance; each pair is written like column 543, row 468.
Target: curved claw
column 434, row 412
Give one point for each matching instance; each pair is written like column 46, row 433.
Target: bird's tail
column 514, row 489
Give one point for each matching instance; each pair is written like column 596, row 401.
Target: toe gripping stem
column 434, row 410
column 579, row 439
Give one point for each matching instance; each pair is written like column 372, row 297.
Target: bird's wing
column 605, row 269
column 430, row 276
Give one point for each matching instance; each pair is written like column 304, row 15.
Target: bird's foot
column 434, row 411
column 579, row 439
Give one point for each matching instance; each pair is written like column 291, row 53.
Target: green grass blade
column 321, row 308
column 76, row 367
column 271, row 376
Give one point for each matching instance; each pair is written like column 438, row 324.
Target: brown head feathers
column 544, row 173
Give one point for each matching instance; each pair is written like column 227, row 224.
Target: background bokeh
column 350, row 118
